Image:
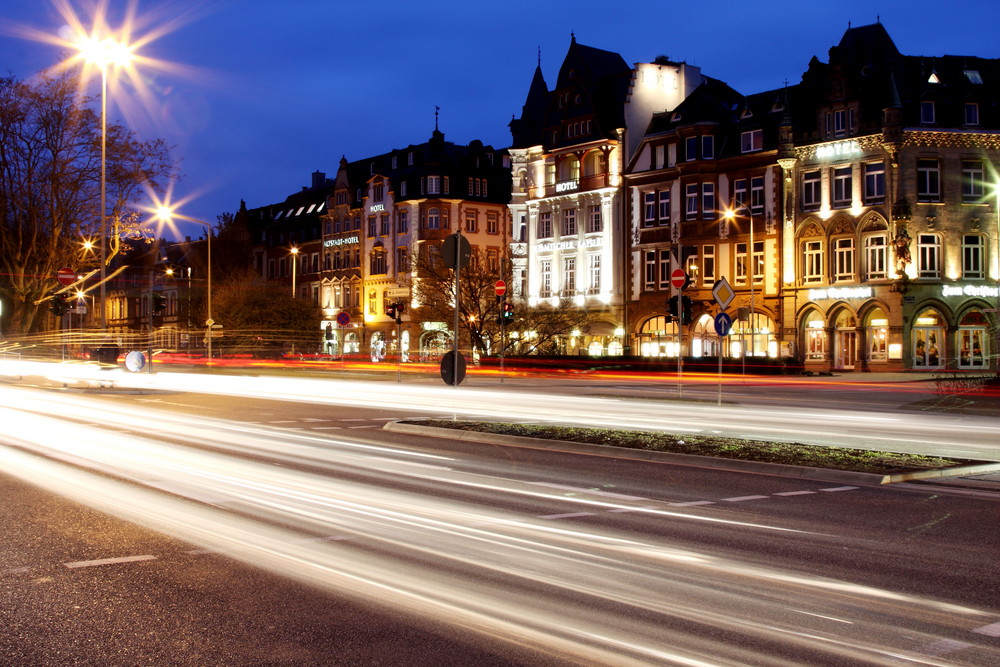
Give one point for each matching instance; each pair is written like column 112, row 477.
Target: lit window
column 972, row 256
column 752, row 141
column 813, row 256
column 569, row 222
column 664, row 213
column 841, row 187
column 973, row 186
column 594, row 223
column 691, row 201
column 844, row 259
column 649, row 209
column 874, row 182
column 708, row 264
column 545, row 225
column 875, row 257
column 741, row 264
column 811, row 192
column 928, row 255
column 928, row 180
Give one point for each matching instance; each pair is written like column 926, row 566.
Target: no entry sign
column 66, row 276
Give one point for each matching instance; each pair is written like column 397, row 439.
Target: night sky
column 255, row 95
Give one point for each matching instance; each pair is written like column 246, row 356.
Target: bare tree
column 537, row 330
column 49, row 188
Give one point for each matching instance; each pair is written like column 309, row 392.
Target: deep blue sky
column 268, row 91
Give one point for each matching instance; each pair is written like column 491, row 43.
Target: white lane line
column 635, row 509
column 107, row 561
column 739, row 499
column 794, row 493
column 943, row 647
column 992, row 630
column 367, row 426
column 828, row 618
column 353, row 420
column 692, row 503
column 595, row 492
column 326, row 428
column 315, row 419
column 283, row 421
column 570, row 515
column 839, row 488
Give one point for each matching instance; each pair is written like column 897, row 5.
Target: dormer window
column 752, row 141
column 971, row 113
column 973, row 76
column 927, row 113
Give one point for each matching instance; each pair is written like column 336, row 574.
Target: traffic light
column 159, row 303
column 59, row 304
column 390, row 310
column 685, row 309
column 508, row 313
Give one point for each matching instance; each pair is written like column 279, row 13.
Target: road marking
column 107, row 561
column 327, row 428
column 828, row 618
column 739, row 499
column 283, row 421
column 570, row 515
column 992, row 630
column 580, row 489
column 943, row 647
column 839, row 488
column 794, row 493
column 366, row 426
column 693, row 503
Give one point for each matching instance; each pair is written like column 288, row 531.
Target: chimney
column 319, row 179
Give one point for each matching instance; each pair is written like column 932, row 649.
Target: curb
column 776, row 469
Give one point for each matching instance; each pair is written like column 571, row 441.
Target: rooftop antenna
column 539, row 55
column 436, row 110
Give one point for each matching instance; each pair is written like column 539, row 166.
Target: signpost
column 723, row 294
column 678, row 278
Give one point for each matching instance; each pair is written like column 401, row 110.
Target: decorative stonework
column 951, row 139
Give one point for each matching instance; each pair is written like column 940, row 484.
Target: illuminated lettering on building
column 572, row 244
column 840, row 293
column 329, row 243
column 377, row 208
column 567, row 186
column 838, row 149
column 981, row 291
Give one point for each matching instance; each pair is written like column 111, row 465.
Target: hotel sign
column 329, row 243
column 838, row 149
column 567, row 186
column 572, row 244
column 981, row 291
column 840, row 293
column 376, row 208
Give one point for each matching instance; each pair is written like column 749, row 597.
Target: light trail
column 410, row 532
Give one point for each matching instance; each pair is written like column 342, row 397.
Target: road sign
column 343, row 318
column 66, row 276
column 678, row 278
column 398, row 293
column 723, row 323
column 500, row 287
column 449, row 367
column 723, row 293
column 456, row 251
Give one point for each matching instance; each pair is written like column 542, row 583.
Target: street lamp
column 165, row 214
column 295, row 254
column 104, row 53
column 752, row 261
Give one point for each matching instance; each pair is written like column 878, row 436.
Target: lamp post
column 165, row 214
column 752, row 265
column 104, row 53
column 295, row 254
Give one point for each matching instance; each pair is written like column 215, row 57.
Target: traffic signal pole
column 680, row 338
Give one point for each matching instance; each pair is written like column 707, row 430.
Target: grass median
column 785, row 453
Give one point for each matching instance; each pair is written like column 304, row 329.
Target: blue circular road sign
column 723, row 323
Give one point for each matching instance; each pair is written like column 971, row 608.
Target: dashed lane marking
column 570, row 515
column 839, row 488
column 692, row 503
column 740, row 499
column 794, row 493
column 107, row 561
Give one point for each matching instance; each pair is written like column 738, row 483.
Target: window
column 433, row 219
column 594, row 271
column 569, row 222
column 493, row 223
column 372, row 303
column 664, row 269
column 811, row 192
column 402, row 188
column 972, row 256
column 843, row 250
column 471, row 222
column 650, row 269
column 378, row 192
column 757, row 262
column 839, row 123
column 927, row 113
column 691, row 201
column 874, row 182
column 928, row 255
column 664, row 213
column 757, row 194
column 403, row 221
column 708, row 200
column 813, row 255
column 751, row 141
column 741, row 264
column 971, row 113
column 594, row 220
column 740, row 193
column 928, row 180
column 707, row 265
column 972, row 181
column 545, row 225
column 395, row 162
column 546, row 289
column 378, row 262
column 875, row 257
column 402, row 260
column 569, row 276
column 433, row 185
column 707, row 147
column 492, row 260
column 841, row 187
column 649, row 209
column 691, row 148
column 386, row 228
column 371, row 225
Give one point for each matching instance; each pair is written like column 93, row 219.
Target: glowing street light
column 166, row 214
column 104, row 53
column 295, row 253
column 730, row 214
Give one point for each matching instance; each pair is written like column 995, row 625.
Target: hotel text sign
column 344, row 241
column 840, row 293
column 572, row 244
column 981, row 291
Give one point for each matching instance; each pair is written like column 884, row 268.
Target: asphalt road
column 300, row 532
